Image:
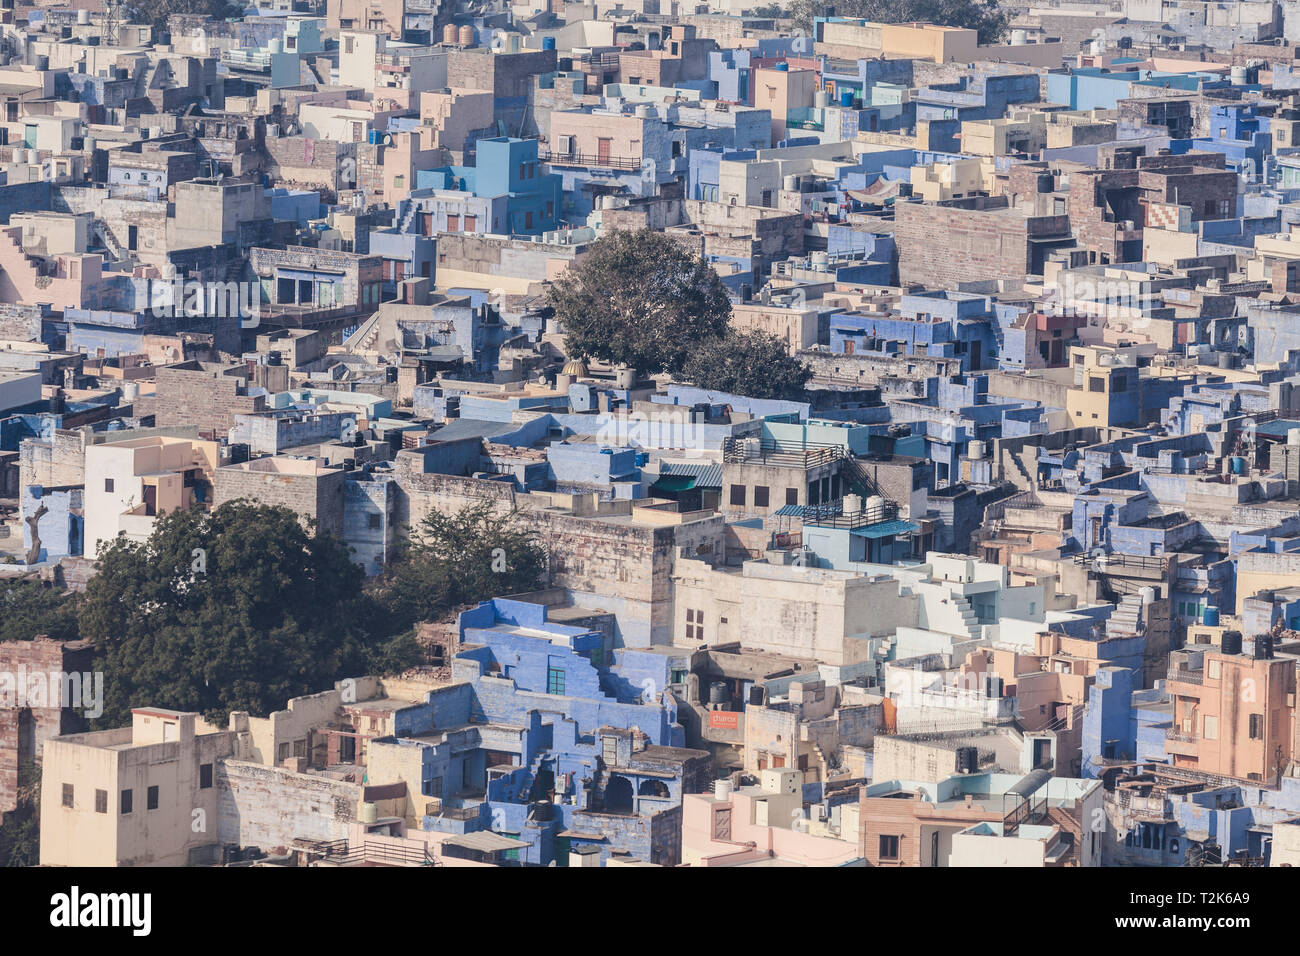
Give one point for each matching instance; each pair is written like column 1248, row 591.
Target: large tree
column 983, row 16
column 29, row 608
column 451, row 560
column 750, row 363
column 639, row 298
column 240, row 608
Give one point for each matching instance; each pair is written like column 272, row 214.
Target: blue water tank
column 846, row 98
column 783, row 67
column 1238, row 466
column 1210, row 616
column 373, row 138
column 548, row 43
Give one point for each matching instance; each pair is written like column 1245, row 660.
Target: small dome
column 575, row 367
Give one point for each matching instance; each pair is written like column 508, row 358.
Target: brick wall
column 977, row 245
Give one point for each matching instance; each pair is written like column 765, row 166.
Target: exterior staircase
column 1126, row 620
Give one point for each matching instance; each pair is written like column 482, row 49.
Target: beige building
column 142, row 795
column 130, row 483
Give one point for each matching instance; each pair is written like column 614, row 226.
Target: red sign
column 724, row 719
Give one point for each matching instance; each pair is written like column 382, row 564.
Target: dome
column 575, row 367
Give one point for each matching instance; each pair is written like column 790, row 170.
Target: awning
column 674, row 483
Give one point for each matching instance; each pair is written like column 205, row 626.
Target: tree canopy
column 983, row 16
column 463, row 558
column 750, row 363
column 29, row 608
column 239, row 608
column 639, row 298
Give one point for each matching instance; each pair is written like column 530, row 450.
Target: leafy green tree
column 457, row 559
column 640, row 298
column 156, row 12
column 750, row 363
column 29, row 608
column 239, row 608
column 983, row 16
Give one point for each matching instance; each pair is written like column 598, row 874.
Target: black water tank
column 1264, row 647
column 967, row 760
column 1231, row 643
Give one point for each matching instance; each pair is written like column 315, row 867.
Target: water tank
column 1019, row 37
column 276, row 45
column 722, row 788
column 644, row 110
column 1238, row 465
column 822, row 100
column 83, row 17
column 875, row 503
column 624, row 377
column 1238, row 75
column 783, row 67
column 1264, row 647
column 542, row 811
column 548, row 43
column 449, row 33
column 1148, row 595
column 1210, row 616
column 846, row 98
column 791, row 185
column 369, row 813
column 466, row 35
column 1293, row 436
column 967, row 760
column 42, row 63
column 852, row 504
column 975, row 450
column 1231, row 642
column 373, row 137
column 717, row 692
column 130, row 391
column 1098, row 47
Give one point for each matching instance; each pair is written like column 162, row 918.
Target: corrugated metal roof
column 885, row 528
column 484, row 841
column 705, row 475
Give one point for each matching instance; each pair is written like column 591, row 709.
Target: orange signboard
column 724, row 719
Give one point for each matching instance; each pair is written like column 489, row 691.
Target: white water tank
column 852, row 504
column 1019, row 37
column 722, row 788
column 975, row 450
column 645, row 111
column 790, row 184
column 276, row 45
column 368, row 813
column 130, row 391
column 1238, row 75
column 822, row 99
column 875, row 503
column 83, row 17
column 1293, row 436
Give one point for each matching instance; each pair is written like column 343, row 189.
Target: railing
column 1181, row 737
column 1129, row 562
column 1186, row 676
column 588, row 159
column 344, row 854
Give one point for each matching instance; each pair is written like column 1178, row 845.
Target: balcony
column 589, row 160
column 1182, row 743
column 1182, row 676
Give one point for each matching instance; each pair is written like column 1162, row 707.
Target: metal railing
column 1186, row 676
column 588, row 159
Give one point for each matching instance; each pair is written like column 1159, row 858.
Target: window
column 1256, row 726
column 1210, row 730
column 108, row 484
column 598, row 656
column 528, row 220
column 554, row 680
column 1213, row 669
column 792, row 496
column 471, row 223
column 1120, row 385
column 205, row 776
column 282, row 753
column 151, row 798
column 67, row 795
column 550, row 209
column 453, row 223
column 1096, row 384
column 101, row 801
column 760, row 496
column 888, row 847
column 738, row 495
column 127, row 797
column 374, row 522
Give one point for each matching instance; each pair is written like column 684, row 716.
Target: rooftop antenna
column 112, row 20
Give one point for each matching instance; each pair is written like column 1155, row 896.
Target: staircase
column 105, row 236
column 412, row 208
column 364, row 337
column 968, row 616
column 1126, row 619
column 1068, row 825
column 853, row 472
